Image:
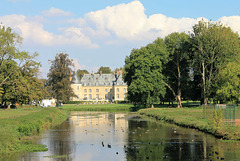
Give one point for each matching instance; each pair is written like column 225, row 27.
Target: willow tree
column 59, row 78
column 143, row 73
column 176, row 70
column 213, row 46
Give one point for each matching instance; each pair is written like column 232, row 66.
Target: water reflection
column 91, row 136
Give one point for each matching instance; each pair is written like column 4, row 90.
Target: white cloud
column 129, row 22
column 33, row 32
column 77, row 66
column 121, row 23
column 232, row 21
column 54, row 12
column 124, row 20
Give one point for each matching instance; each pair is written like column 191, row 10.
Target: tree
column 213, row 46
column 104, row 70
column 30, row 88
column 80, row 73
column 17, row 70
column 228, row 83
column 59, row 78
column 177, row 69
column 143, row 73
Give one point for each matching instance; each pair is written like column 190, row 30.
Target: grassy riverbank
column 193, row 117
column 18, row 125
column 97, row 107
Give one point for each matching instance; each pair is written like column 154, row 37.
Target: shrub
column 215, row 122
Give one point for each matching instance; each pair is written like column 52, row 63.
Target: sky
column 98, row 33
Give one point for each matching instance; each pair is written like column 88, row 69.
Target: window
column 117, row 95
column 97, row 96
column 90, row 90
column 77, row 95
column 90, row 96
column 105, row 90
column 77, row 87
column 110, row 90
column 117, row 89
column 106, row 96
column 124, row 90
column 97, row 90
column 85, row 97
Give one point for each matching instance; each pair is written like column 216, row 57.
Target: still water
column 97, row 136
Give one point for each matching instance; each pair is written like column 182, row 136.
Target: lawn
column 13, row 113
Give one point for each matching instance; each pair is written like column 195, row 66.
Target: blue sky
column 103, row 32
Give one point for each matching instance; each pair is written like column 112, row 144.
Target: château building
column 99, row 87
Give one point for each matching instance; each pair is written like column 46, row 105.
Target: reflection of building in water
column 112, row 127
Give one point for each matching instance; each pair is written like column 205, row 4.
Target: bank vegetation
column 18, row 126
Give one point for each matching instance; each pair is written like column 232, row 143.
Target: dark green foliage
column 80, row 73
column 59, row 78
column 143, row 73
column 104, row 70
column 176, row 71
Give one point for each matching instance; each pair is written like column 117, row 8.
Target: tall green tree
column 104, row 70
column 80, row 73
column 17, row 69
column 59, row 78
column 176, row 70
column 9, row 52
column 213, row 46
column 143, row 73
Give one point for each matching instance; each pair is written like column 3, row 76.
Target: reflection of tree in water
column 61, row 143
column 148, row 140
column 144, row 141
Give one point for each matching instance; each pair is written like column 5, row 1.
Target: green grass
column 97, row 107
column 13, row 113
column 192, row 117
column 17, row 125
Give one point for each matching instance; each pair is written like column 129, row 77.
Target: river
column 101, row 136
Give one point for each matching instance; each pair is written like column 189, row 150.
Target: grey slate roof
column 99, row 80
column 119, row 80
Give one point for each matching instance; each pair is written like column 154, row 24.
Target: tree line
column 202, row 65
column 19, row 70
